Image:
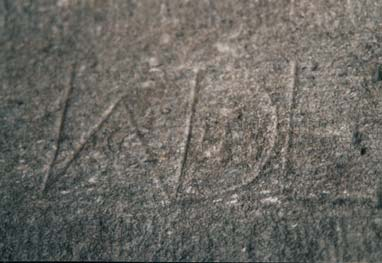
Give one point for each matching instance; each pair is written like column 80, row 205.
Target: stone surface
column 190, row 130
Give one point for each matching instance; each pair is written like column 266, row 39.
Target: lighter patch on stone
column 165, row 39
column 63, row 3
column 217, row 200
column 270, row 200
column 92, row 180
column 154, row 62
column 147, row 84
column 226, row 48
column 234, row 199
column 190, row 190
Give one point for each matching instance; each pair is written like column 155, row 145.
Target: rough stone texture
column 191, row 130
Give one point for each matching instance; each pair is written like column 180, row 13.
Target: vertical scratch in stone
column 292, row 9
column 188, row 131
column 93, row 130
column 292, row 98
column 379, row 192
column 350, row 9
column 60, row 126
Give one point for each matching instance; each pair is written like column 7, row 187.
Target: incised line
column 291, row 106
column 188, row 131
column 84, row 139
column 60, row 126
